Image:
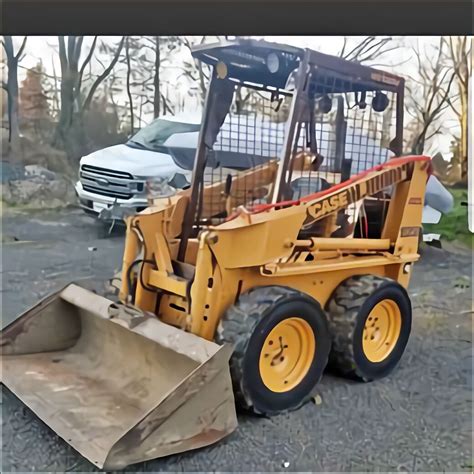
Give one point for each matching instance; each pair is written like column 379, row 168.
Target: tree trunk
column 463, row 145
column 12, row 91
column 460, row 50
column 418, row 146
column 156, row 79
column 69, row 130
column 67, row 106
column 13, row 120
column 129, row 93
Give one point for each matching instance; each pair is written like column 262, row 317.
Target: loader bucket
column 118, row 387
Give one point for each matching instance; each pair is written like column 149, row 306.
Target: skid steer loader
column 292, row 248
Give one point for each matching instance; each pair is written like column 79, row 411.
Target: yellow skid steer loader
column 291, row 248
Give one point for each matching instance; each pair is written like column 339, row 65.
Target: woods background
column 85, row 93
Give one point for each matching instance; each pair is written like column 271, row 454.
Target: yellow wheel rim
column 381, row 330
column 287, row 354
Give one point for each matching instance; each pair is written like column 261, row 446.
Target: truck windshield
column 153, row 136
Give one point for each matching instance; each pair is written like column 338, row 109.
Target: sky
column 43, row 46
column 401, row 61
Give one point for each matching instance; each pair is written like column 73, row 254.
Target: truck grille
column 104, row 192
column 110, row 183
column 106, row 172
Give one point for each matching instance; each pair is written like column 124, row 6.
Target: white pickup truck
column 119, row 174
column 117, row 177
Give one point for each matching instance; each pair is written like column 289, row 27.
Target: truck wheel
column 370, row 322
column 420, row 242
column 281, row 347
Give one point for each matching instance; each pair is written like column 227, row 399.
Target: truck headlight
column 159, row 187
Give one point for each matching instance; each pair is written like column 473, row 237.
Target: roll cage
column 308, row 83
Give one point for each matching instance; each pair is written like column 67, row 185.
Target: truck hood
column 140, row 163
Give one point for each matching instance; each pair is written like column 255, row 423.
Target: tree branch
column 375, row 50
column 130, row 99
column 8, row 46
column 343, row 49
column 22, row 47
column 85, row 63
column 436, row 132
column 62, row 55
column 453, row 108
column 165, row 103
column 71, row 44
column 430, row 118
column 356, row 50
column 104, row 74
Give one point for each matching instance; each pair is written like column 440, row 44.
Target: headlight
column 158, row 187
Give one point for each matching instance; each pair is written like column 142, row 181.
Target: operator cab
column 304, row 121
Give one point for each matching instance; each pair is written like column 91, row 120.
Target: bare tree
column 458, row 58
column 427, row 97
column 70, row 130
column 197, row 72
column 368, row 49
column 149, row 57
column 11, row 86
column 162, row 49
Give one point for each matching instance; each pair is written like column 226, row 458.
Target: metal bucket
column 119, row 386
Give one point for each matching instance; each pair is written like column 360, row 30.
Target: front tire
column 370, row 323
column 281, row 347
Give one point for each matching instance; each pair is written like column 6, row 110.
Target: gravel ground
column 417, row 419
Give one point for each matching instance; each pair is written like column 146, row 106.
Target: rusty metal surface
column 119, row 387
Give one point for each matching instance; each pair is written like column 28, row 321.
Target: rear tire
column 370, row 321
column 281, row 347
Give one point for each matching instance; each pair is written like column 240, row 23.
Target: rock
column 38, row 192
column 9, row 238
column 23, row 191
column 10, row 171
column 317, row 400
column 41, row 171
column 5, row 192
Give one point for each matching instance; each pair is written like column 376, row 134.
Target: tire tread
column 344, row 309
column 236, row 328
